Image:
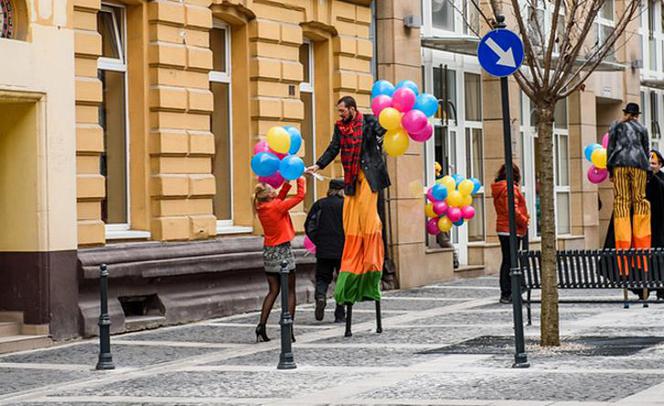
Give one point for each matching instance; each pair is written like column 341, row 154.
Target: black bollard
column 349, row 319
column 379, row 321
column 286, row 360
column 105, row 357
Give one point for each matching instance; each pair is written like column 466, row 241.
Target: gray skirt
column 273, row 256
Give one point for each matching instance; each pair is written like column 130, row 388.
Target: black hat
column 632, row 108
column 337, row 184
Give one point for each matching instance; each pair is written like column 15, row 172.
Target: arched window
column 7, row 16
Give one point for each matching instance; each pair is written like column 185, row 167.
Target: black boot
column 261, row 334
column 320, row 308
column 339, row 314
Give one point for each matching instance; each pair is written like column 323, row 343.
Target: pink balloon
column 309, row 245
column 454, row 214
column 403, row 99
column 414, row 121
column 467, row 212
column 430, row 195
column 605, row 140
column 423, row 135
column 261, row 146
column 379, row 103
column 432, row 226
column 440, row 208
column 596, row 175
column 275, row 180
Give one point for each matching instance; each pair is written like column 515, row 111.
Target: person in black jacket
column 324, row 227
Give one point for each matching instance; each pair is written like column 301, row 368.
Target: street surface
column 445, row 344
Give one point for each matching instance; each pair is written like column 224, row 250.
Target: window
column 112, row 71
column 530, row 161
column 308, row 124
column 6, row 19
column 561, row 144
column 220, row 123
column 442, row 14
column 604, row 26
column 471, row 18
column 652, row 102
column 474, row 148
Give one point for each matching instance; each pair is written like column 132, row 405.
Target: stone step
column 9, row 328
column 135, row 323
column 469, row 271
column 22, row 343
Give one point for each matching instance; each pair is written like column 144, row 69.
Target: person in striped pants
column 628, row 163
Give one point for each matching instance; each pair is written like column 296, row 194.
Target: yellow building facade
column 127, row 133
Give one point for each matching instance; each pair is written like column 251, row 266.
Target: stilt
column 379, row 321
column 626, row 299
column 349, row 319
column 645, row 297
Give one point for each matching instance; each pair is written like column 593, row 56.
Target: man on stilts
column 358, row 138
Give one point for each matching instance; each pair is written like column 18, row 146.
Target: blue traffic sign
column 500, row 52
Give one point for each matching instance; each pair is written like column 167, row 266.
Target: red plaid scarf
column 351, row 147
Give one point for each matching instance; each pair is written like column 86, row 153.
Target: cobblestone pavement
column 445, row 344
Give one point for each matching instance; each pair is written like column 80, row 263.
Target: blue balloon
column 458, row 222
column 588, row 151
column 439, row 192
column 291, row 167
column 427, row 104
column 295, row 139
column 458, row 178
column 382, row 87
column 477, row 185
column 409, row 84
column 264, row 164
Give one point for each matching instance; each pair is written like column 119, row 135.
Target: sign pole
column 520, row 357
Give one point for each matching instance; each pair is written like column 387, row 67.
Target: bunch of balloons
column 403, row 112
column 275, row 158
column 596, row 154
column 450, row 202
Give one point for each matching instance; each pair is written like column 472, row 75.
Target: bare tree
column 560, row 55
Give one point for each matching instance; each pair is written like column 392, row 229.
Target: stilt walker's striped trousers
column 629, row 191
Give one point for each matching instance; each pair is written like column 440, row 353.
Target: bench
column 596, row 269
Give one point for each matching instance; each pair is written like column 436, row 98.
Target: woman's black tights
column 274, row 284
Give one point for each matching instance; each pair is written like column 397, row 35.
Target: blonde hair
column 262, row 193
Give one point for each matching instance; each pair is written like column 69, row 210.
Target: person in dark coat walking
column 324, row 227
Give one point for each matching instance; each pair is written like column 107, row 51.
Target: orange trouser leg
column 621, row 213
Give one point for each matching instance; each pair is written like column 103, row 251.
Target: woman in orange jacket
column 272, row 210
column 499, row 192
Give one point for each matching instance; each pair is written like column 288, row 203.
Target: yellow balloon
column 466, row 187
column 467, row 201
column 396, row 142
column 428, row 210
column 278, row 140
column 390, row 118
column 598, row 158
column 455, row 199
column 449, row 183
column 444, row 224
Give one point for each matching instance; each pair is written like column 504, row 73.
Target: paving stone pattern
column 447, row 344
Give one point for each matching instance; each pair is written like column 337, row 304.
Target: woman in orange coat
column 499, row 191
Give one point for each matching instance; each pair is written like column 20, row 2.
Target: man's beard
column 348, row 119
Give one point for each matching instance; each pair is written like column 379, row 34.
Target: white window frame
column 308, row 87
column 227, row 226
column 460, row 64
column 657, row 36
column 121, row 231
column 649, row 116
column 605, row 22
column 528, row 138
column 459, row 22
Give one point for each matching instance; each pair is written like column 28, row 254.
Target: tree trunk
column 550, row 333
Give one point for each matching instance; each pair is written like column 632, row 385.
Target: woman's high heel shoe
column 261, row 334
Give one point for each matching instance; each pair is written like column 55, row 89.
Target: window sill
column 230, row 230
column 127, row 235
column 437, row 250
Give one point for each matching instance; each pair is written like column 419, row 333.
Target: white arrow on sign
column 505, row 58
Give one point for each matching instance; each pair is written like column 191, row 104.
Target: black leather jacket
column 628, row 146
column 371, row 157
